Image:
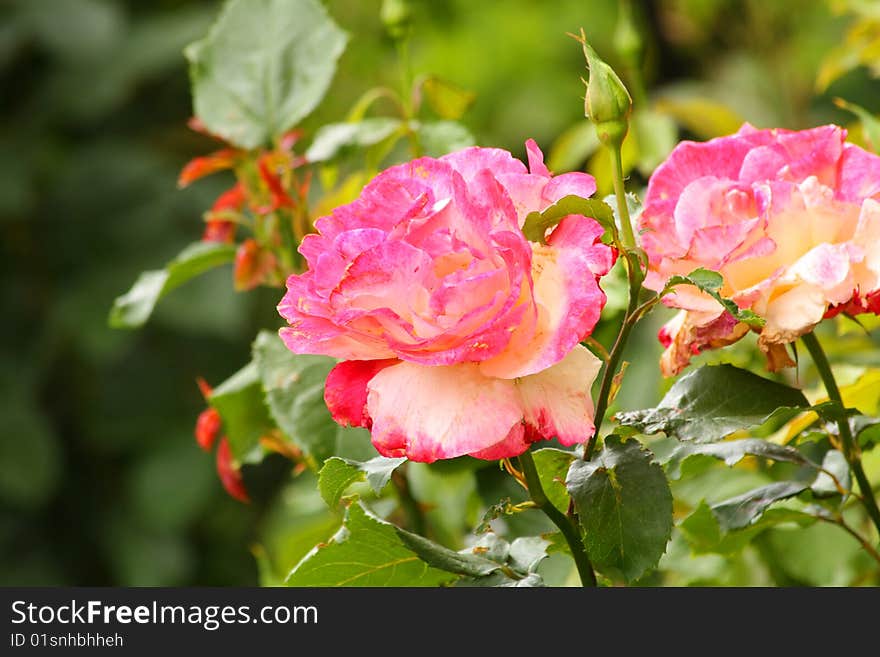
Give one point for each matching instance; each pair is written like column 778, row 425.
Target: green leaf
column 731, row 452
column 466, row 562
column 714, row 401
column 366, row 551
column 294, row 392
column 334, row 139
column 538, row 223
column 132, row 309
column 743, row 510
column 705, row 534
column 833, row 463
column 572, row 148
column 552, row 466
column 870, row 123
column 239, row 400
column 624, row 506
column 337, row 474
column 263, row 67
column 704, row 117
column 448, row 100
column 711, row 282
column 438, row 138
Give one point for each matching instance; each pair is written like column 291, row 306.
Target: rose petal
column 345, row 391
column 429, row 413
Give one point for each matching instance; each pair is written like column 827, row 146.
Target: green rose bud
column 396, row 15
column 607, row 103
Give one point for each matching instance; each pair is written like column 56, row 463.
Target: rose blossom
column 456, row 334
column 789, row 219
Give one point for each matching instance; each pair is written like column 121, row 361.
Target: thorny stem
column 569, row 530
column 850, row 448
column 839, row 521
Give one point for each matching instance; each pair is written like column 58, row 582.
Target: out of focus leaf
column 656, row 134
column 572, row 148
column 448, row 100
column 861, row 48
column 239, row 400
column 133, row 308
column 294, row 393
column 625, row 507
column 870, row 123
column 702, row 116
column 334, row 139
column 438, row 138
column 714, row 401
column 29, row 455
column 263, row 67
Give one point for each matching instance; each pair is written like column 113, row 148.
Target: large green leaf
column 239, row 400
column 731, row 452
column 264, row 66
column 713, row 402
column 366, row 551
column 133, row 308
column 294, row 389
column 338, row 474
column 625, row 507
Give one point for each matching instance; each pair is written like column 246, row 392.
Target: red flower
column 218, row 228
column 251, row 265
column 202, row 166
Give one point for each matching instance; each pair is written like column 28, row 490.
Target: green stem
column 840, row 522
column 614, row 358
column 415, row 519
column 569, row 530
column 850, row 447
column 629, row 239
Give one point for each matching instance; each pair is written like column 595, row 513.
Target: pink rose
column 457, row 335
column 789, row 219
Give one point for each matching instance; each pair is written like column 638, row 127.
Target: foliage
column 732, row 478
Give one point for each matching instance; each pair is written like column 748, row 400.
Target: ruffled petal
column 345, row 391
column 567, row 299
column 435, row 412
column 557, row 403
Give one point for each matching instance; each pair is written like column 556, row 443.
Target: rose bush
column 457, row 335
column 791, row 221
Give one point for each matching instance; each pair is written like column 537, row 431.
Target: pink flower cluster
column 790, row 219
column 456, row 334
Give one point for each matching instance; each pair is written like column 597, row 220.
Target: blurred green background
column 101, row 482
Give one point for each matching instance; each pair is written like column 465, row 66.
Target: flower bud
column 627, row 40
column 396, row 15
column 607, row 103
column 229, row 473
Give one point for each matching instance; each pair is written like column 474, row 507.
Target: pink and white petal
column 859, row 176
column 436, row 412
column 793, row 313
column 345, row 391
column 557, row 402
column 796, row 155
column 514, row 444
column 569, row 184
column 314, row 335
column 536, row 160
column 828, row 267
column 470, row 161
column 568, row 302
